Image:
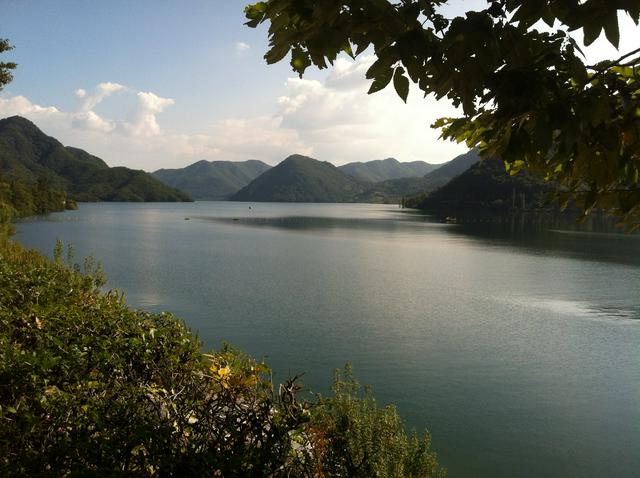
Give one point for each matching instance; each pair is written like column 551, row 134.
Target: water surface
column 516, row 346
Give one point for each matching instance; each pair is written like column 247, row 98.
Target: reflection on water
column 325, row 224
column 598, row 238
column 515, row 341
column 582, row 309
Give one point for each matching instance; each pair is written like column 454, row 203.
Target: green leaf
column 591, row 33
column 381, row 81
column 299, row 61
column 611, row 29
column 401, row 83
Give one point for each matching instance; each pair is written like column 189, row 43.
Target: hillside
column 29, row 155
column 213, row 180
column 487, row 186
column 385, row 169
column 394, row 190
column 301, row 179
column 450, row 170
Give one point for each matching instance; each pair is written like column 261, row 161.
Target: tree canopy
column 526, row 92
column 5, row 67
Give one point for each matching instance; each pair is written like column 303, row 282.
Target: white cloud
column 142, row 118
column 342, row 123
column 332, row 120
column 261, row 138
column 88, row 102
column 241, row 47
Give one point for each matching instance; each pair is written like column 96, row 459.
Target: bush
column 91, row 387
column 354, row 437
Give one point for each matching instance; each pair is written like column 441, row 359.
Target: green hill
column 393, row 190
column 301, row 179
column 487, row 186
column 385, row 169
column 214, row 180
column 28, row 155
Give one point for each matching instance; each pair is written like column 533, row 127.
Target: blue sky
column 185, row 51
column 153, row 84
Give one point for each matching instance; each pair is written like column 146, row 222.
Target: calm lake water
column 517, row 347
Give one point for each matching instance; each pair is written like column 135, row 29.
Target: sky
column 153, row 84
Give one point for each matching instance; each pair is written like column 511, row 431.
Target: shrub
column 90, row 387
column 354, row 437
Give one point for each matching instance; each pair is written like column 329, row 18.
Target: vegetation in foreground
column 90, row 387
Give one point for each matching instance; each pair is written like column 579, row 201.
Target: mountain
column 214, row 180
column 450, row 170
column 29, row 155
column 393, row 190
column 385, row 169
column 301, row 179
column 487, row 186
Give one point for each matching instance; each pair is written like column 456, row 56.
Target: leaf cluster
column 526, row 95
column 5, row 67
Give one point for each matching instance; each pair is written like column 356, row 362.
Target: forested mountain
column 301, row 179
column 385, row 169
column 214, row 180
column 487, row 186
column 450, row 170
column 28, row 155
column 394, row 190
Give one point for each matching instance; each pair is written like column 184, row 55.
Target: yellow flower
column 224, row 372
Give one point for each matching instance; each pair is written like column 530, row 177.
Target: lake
column 516, row 344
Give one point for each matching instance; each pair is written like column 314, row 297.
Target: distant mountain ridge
column 386, row 169
column 212, row 180
column 393, row 190
column 29, row 155
column 487, row 186
column 301, row 179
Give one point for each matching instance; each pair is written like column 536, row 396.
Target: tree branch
column 615, row 62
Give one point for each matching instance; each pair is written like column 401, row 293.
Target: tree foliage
column 5, row 67
column 526, row 94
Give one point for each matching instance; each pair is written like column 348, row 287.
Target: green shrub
column 90, row 387
column 356, row 438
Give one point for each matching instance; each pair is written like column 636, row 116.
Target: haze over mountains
column 29, row 155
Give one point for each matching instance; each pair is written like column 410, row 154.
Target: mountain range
column 212, row 180
column 219, row 180
column 393, row 190
column 386, row 169
column 303, row 179
column 28, row 155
